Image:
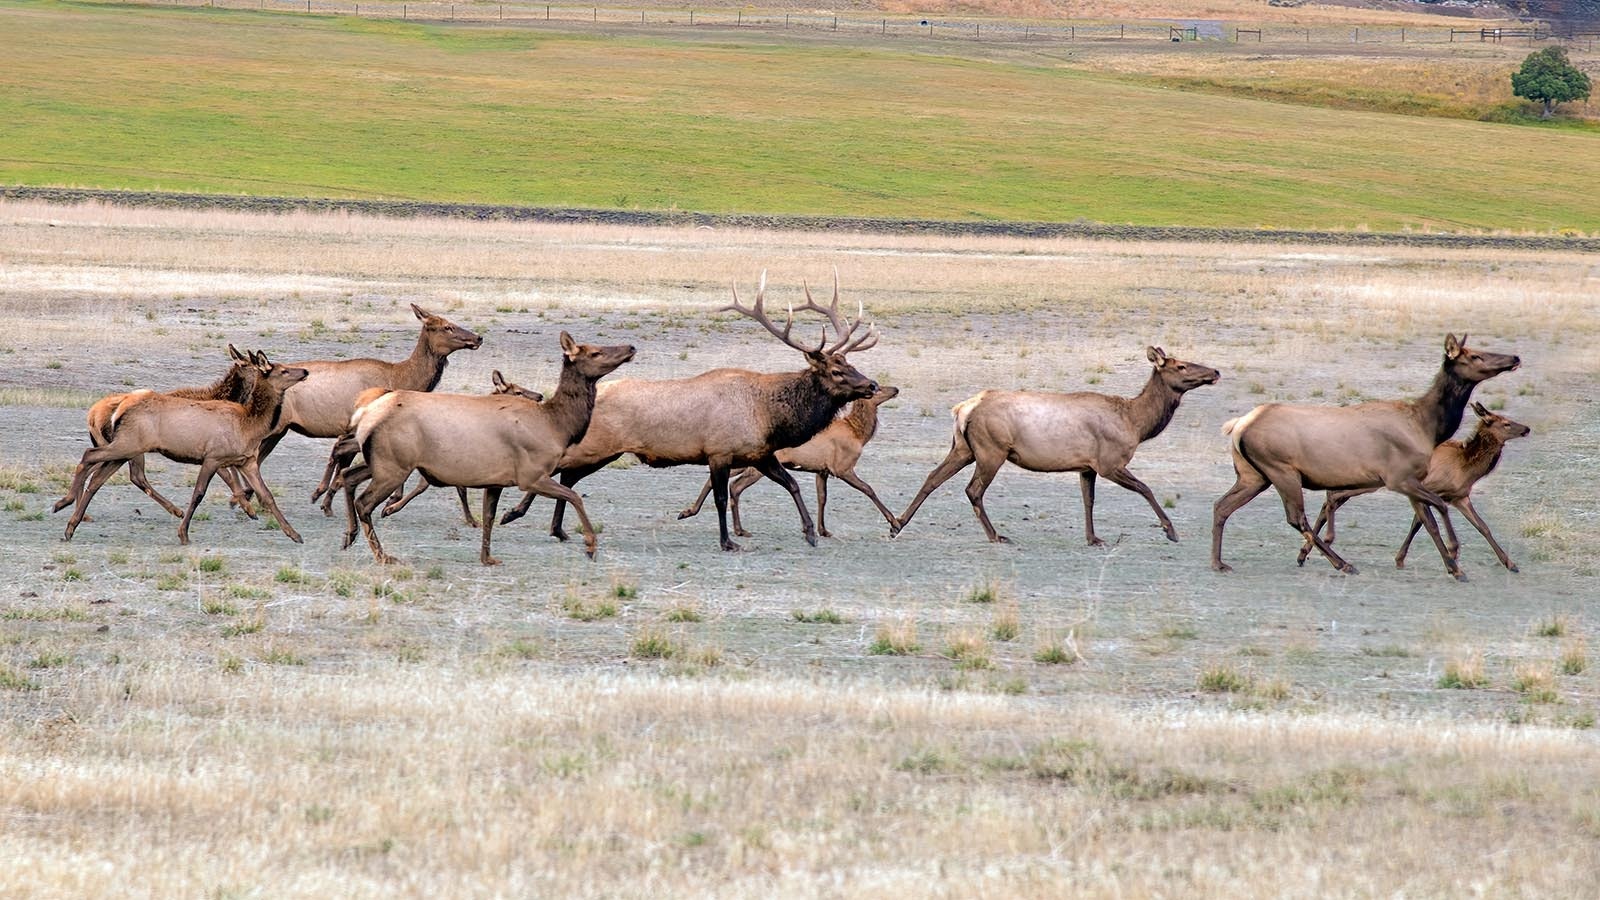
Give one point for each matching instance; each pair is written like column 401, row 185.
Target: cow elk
column 1092, row 434
column 213, row 434
column 834, row 451
column 321, row 407
column 727, row 418
column 463, row 440
column 235, row 385
column 1453, row 470
column 1381, row 443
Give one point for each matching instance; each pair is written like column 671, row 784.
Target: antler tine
column 865, row 342
column 758, row 311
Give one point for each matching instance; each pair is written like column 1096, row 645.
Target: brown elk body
column 345, row 450
column 834, row 451
column 463, row 440
column 212, row 434
column 1453, row 470
column 321, row 406
column 1092, row 434
column 1382, row 443
column 235, row 385
column 725, row 418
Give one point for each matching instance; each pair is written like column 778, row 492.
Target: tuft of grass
column 969, row 649
column 1464, row 674
column 246, row 592
column 588, row 610
column 47, row 659
column 72, row 573
column 12, row 680
column 1178, row 631
column 210, row 564
column 215, row 606
column 682, row 613
column 1221, row 678
column 434, row 573
column 1536, row 683
column 653, row 643
column 230, row 664
column 1574, row 657
column 1276, row 689
column 1054, row 651
column 1553, row 627
column 520, row 648
column 290, row 575
column 239, row 629
column 1006, row 626
column 895, row 639
column 823, row 616
column 988, row 592
column 1388, row 651
column 623, row 590
column 278, row 656
column 171, row 581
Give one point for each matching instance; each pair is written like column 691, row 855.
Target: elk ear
column 233, row 353
column 569, row 346
column 262, row 363
column 499, row 381
column 1452, row 346
column 1479, row 409
column 1156, row 355
column 420, row 313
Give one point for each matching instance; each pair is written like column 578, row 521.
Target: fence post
column 884, row 27
column 979, row 32
column 740, row 20
column 308, row 5
column 835, row 23
column 595, row 14
column 502, row 10
column 691, row 17
column 641, row 17
column 547, row 12
column 1072, row 32
column 1122, row 32
column 1402, row 35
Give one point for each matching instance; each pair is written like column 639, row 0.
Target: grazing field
column 107, row 97
column 930, row 714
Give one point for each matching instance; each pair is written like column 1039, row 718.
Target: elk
column 213, row 434
column 1088, row 433
column 1453, row 469
column 1381, row 443
column 488, row 441
column 345, row 450
column 235, row 385
column 834, row 451
column 321, row 406
column 726, row 418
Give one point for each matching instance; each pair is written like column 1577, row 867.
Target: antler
column 843, row 328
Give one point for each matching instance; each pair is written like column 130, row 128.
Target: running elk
column 1381, row 443
column 213, row 434
column 489, row 441
column 321, row 407
column 1453, row 470
column 835, row 451
column 1088, row 433
column 726, row 418
column 235, row 385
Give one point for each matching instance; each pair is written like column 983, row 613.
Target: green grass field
column 218, row 101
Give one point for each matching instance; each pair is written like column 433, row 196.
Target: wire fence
column 972, row 29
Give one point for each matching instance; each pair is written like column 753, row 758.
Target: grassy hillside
column 211, row 100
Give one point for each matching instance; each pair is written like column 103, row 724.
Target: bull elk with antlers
column 489, row 441
column 727, row 418
column 1088, row 433
column 1453, row 470
column 213, row 434
column 1382, row 443
column 835, row 451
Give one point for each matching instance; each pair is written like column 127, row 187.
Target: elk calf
column 835, row 451
column 1453, row 470
column 1382, row 443
column 1088, row 433
column 211, row 433
column 476, row 441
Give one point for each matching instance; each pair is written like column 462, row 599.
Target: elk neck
column 1442, row 407
column 421, row 370
column 264, row 404
column 1154, row 407
column 1481, row 452
column 572, row 404
column 862, row 418
column 801, row 408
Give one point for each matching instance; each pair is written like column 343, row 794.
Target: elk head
column 1501, row 427
column 884, row 394
column 827, row 362
column 279, row 377
column 444, row 337
column 592, row 360
column 502, row 386
column 1475, row 365
column 1180, row 376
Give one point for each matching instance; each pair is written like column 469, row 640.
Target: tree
column 1548, row 76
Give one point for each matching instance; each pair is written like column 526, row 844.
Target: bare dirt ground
column 115, row 648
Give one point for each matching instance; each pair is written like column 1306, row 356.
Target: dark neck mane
column 1154, row 406
column 426, row 367
column 1482, row 450
column 1442, row 407
column 572, row 405
column 801, row 407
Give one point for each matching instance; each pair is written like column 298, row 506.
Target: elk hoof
column 472, row 521
column 895, row 528
column 741, row 532
column 1096, row 542
column 489, row 560
column 1399, row 562
column 1001, row 539
column 682, row 514
column 387, row 560
column 731, row 547
column 1220, row 566
column 557, row 533
column 811, row 538
column 509, row 517
column 1460, row 576
column 327, row 511
column 824, row 532
column 590, row 551
column 1511, row 566
column 1348, row 569
column 1172, row 535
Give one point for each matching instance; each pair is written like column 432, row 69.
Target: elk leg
column 822, row 504
column 268, row 444
column 491, row 499
column 98, row 474
column 736, row 487
column 1423, row 503
column 351, row 478
column 1405, row 548
column 959, row 457
column 569, row 477
column 376, row 491
column 1293, row 495
column 851, row 478
column 1451, row 542
column 394, row 506
column 719, row 493
column 230, row 477
column 770, row 467
column 344, row 450
column 1086, row 488
column 1248, row 485
column 136, row 475
column 981, row 476
column 693, row 509
column 1123, row 478
column 252, row 474
column 201, row 482
column 1471, row 512
column 466, row 511
column 561, row 493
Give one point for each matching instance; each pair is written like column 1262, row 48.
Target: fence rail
column 976, row 29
